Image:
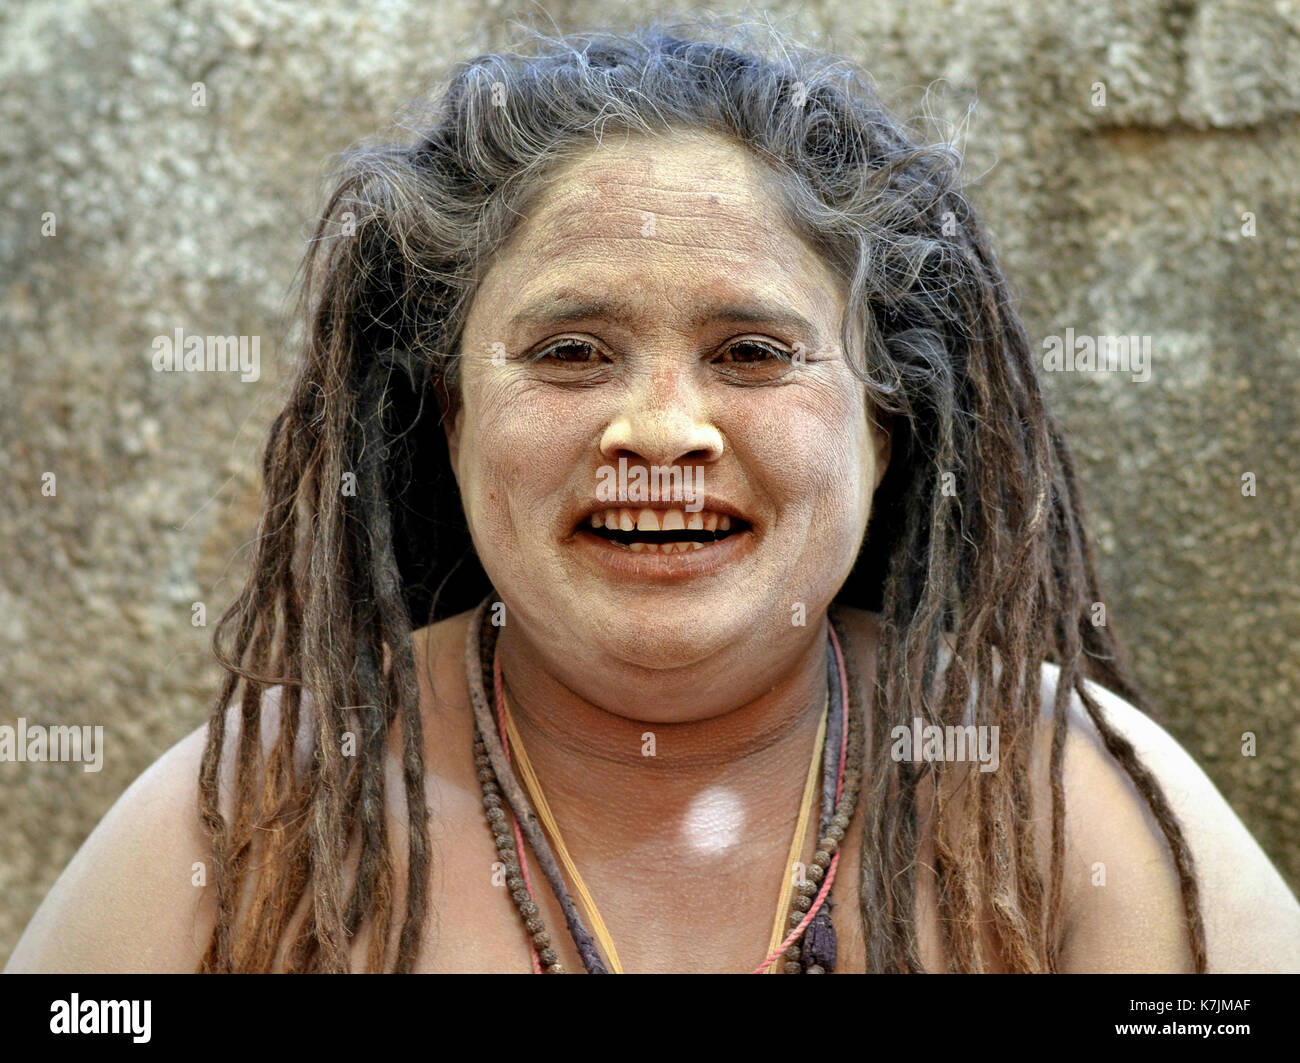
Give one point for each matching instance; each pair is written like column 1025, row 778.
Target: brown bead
column 794, row 968
column 814, row 873
column 534, row 925
column 515, row 882
column 482, row 761
column 794, row 953
column 511, row 869
column 556, row 968
column 835, row 832
column 826, row 843
column 795, row 919
column 807, row 889
column 840, row 820
column 802, row 903
column 528, row 910
column 541, row 939
column 495, row 815
column 821, row 858
column 520, row 895
column 485, row 776
column 815, row 969
column 549, row 957
column 506, row 850
column 491, row 801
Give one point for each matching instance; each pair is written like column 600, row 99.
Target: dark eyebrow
column 552, row 311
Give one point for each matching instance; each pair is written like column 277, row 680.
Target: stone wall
column 1167, row 211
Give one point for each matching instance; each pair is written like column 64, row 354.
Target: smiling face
column 646, row 310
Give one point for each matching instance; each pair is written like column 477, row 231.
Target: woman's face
column 642, row 312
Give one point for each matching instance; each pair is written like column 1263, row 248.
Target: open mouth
column 662, row 531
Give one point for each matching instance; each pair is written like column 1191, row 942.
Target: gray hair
column 884, row 213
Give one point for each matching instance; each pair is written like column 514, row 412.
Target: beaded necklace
column 809, row 916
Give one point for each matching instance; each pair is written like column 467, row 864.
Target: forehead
column 664, row 216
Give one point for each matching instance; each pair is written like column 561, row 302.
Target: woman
column 665, row 528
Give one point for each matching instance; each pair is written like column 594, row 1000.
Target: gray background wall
column 1123, row 219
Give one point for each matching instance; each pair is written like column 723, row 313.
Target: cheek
column 516, row 447
column 810, row 448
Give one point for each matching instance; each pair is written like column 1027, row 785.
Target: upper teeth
column 663, row 520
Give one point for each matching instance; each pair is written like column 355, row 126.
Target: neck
column 722, row 766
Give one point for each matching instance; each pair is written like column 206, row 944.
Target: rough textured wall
column 1114, row 219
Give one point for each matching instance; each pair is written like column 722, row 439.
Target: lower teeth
column 660, row 548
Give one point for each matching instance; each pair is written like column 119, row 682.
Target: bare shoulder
column 125, row 904
column 1122, row 891
column 136, row 896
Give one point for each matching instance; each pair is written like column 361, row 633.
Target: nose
column 661, row 424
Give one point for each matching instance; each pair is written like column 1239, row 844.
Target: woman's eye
column 754, row 355
column 568, row 352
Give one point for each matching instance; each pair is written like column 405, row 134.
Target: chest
column 692, row 918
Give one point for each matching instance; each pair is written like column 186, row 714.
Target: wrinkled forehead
column 684, row 210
